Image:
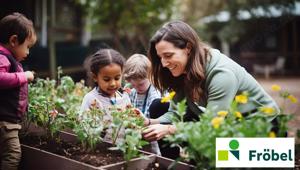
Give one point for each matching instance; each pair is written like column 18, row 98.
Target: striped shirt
column 143, row 101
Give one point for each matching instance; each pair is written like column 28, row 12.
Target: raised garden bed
column 67, row 155
column 153, row 162
column 36, row 159
column 69, row 149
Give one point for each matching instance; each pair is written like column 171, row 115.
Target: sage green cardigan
column 224, row 80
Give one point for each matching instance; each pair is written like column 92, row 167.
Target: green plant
column 53, row 104
column 197, row 139
column 89, row 125
column 42, row 106
column 287, row 109
column 129, row 123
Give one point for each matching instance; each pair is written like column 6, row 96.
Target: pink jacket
column 11, row 80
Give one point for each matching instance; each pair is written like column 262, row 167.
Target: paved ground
column 291, row 84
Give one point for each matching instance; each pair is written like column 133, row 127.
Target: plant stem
column 116, row 137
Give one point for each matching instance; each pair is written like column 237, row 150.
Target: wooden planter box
column 153, row 161
column 36, row 159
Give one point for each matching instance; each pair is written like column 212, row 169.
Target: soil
column 100, row 157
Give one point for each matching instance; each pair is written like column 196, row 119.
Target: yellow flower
column 267, row 110
column 172, row 94
column 241, row 99
column 292, row 98
column 222, row 113
column 168, row 97
column 238, row 114
column 272, row 134
column 276, row 87
column 216, row 122
column 165, row 99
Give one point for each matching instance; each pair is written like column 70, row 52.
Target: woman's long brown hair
column 180, row 35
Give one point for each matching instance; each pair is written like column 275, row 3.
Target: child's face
column 141, row 85
column 109, row 79
column 21, row 51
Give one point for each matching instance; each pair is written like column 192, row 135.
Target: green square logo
column 222, row 155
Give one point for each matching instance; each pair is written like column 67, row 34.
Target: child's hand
column 127, row 90
column 138, row 112
column 29, row 75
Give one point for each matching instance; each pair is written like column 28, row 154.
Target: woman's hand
column 148, row 121
column 157, row 131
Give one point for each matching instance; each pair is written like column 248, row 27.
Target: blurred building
column 267, row 37
column 64, row 41
column 60, row 31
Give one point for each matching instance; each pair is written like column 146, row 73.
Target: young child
column 17, row 36
column 106, row 66
column 136, row 71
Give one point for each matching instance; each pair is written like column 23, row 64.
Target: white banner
column 255, row 152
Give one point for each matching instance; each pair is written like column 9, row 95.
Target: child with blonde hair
column 136, row 71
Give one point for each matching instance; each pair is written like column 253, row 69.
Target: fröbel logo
column 255, row 152
column 233, row 145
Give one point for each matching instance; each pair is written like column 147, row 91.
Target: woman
column 202, row 75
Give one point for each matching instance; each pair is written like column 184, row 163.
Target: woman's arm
column 221, row 89
column 148, row 121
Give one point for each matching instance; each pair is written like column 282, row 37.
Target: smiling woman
column 204, row 76
column 171, row 57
